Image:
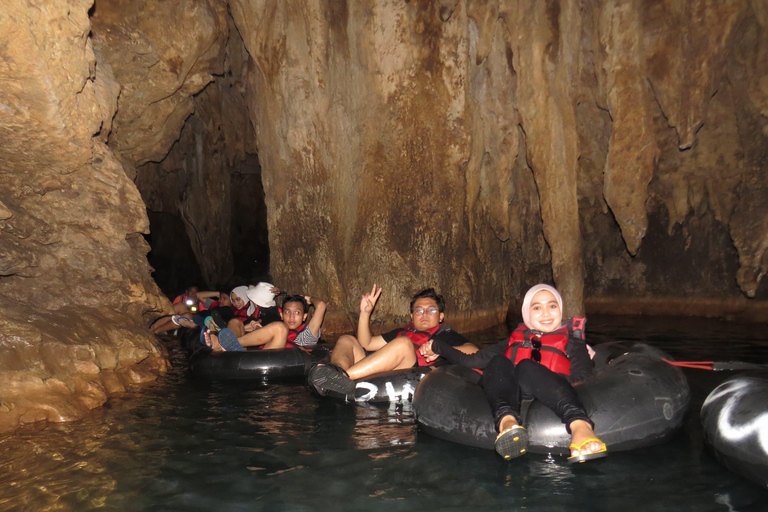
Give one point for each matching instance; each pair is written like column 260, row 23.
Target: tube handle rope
column 715, row 365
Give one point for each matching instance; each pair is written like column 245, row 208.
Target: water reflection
column 183, row 445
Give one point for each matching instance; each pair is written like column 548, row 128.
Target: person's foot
column 183, row 321
column 223, row 341
column 212, row 341
column 585, row 445
column 512, row 442
column 331, row 380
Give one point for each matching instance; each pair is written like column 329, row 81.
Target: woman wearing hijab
column 542, row 358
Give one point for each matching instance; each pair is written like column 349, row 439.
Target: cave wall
column 386, row 147
column 390, row 137
column 74, row 279
column 178, row 129
column 479, row 147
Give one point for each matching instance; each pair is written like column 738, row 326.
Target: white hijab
column 529, row 297
column 242, row 292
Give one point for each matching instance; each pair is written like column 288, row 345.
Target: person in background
column 184, row 306
column 255, row 307
column 292, row 331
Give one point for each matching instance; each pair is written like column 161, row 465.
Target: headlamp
column 191, row 304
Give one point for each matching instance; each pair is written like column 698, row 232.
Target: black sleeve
column 451, row 337
column 581, row 364
column 477, row 360
column 389, row 336
column 269, row 315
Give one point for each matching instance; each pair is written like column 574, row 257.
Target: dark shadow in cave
column 217, row 140
column 171, row 256
column 174, row 263
column 248, row 231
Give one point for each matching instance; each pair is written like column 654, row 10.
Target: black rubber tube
column 634, row 398
column 254, row 365
column 394, row 386
column 734, row 419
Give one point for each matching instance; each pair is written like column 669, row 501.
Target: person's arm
column 458, row 341
column 316, row 322
column 367, row 303
column 454, row 339
column 477, row 360
column 581, row 363
column 207, row 295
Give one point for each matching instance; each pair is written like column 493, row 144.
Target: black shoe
column 330, row 380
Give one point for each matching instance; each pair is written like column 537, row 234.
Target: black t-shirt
column 268, row 315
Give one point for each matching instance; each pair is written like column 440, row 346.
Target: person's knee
column 404, row 349
column 527, row 365
column 402, row 343
column 279, row 330
column 346, row 342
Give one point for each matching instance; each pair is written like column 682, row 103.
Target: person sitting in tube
column 292, row 331
column 356, row 358
column 184, row 307
column 294, row 314
column 543, row 357
column 219, row 313
column 222, row 301
column 255, row 308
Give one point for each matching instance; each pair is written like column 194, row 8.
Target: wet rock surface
column 75, row 282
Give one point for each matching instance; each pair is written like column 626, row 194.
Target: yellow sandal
column 584, row 457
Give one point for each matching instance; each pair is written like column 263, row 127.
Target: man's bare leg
column 272, row 336
column 163, row 324
column 334, row 380
column 347, row 352
column 236, row 326
column 398, row 354
column 166, row 323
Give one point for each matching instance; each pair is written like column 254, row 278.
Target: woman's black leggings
column 506, row 383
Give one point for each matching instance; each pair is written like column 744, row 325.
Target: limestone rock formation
column 161, row 54
column 74, row 279
column 595, row 89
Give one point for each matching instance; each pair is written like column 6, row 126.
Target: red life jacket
column 554, row 344
column 241, row 314
column 292, row 333
column 419, row 338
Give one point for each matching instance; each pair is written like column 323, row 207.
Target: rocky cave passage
column 615, row 148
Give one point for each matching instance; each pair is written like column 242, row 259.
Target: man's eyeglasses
column 536, row 352
column 422, row 311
